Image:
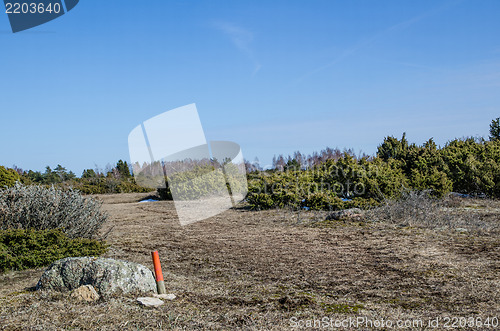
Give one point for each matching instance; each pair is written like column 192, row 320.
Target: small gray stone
column 150, row 302
column 169, row 296
column 345, row 213
column 107, row 276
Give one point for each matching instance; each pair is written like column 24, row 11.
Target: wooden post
column 160, row 284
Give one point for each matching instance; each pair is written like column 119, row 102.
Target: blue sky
column 274, row 76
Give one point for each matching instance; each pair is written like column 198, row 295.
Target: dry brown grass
column 257, row 269
column 418, row 209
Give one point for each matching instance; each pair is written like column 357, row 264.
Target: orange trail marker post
column 160, row 284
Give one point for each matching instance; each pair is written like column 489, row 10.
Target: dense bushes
column 470, row 166
column 473, row 166
column 344, row 183
column 41, row 208
column 23, row 249
column 8, row 177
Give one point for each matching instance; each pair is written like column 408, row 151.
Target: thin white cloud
column 242, row 39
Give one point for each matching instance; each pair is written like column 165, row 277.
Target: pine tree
column 89, row 173
column 495, row 129
column 123, row 169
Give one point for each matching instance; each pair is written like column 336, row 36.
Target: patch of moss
column 341, row 308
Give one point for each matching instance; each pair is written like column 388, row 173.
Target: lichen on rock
column 107, row 276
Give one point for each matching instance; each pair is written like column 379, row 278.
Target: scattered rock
column 150, row 302
column 169, row 296
column 461, row 230
column 85, row 293
column 107, row 276
column 353, row 213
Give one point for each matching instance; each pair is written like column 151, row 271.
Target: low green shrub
column 473, row 166
column 261, row 201
column 8, row 177
column 164, row 193
column 323, row 201
column 362, row 203
column 130, row 186
column 24, row 249
column 42, row 208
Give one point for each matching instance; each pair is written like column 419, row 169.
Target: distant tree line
column 115, row 179
column 302, row 161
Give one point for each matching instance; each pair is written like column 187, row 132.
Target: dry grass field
column 277, row 269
